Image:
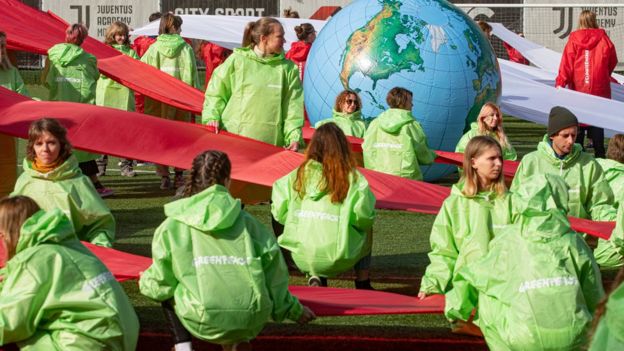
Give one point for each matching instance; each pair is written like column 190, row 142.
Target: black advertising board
column 222, row 7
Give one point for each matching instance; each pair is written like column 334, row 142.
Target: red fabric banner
column 124, row 266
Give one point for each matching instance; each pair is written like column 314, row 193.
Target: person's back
column 539, row 284
column 72, row 75
column 57, row 296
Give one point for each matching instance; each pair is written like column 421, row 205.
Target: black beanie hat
column 560, row 118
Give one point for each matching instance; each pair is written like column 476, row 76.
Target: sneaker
column 105, row 192
column 101, row 171
column 363, row 285
column 465, row 328
column 314, row 281
column 127, row 171
column 165, row 183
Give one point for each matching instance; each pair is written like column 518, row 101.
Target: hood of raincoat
column 612, row 169
column 44, row 228
column 355, row 116
column 393, row 119
column 587, row 39
column 67, row 170
column 458, row 188
column 542, row 206
column 546, row 149
column 210, row 210
column 63, row 54
column 249, row 53
column 169, row 45
column 299, row 51
column 614, row 316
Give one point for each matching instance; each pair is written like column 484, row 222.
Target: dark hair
column 329, row 146
column 304, row 30
column 253, row 30
column 398, row 98
column 5, row 63
column 117, row 28
column 209, row 168
column 485, row 27
column 342, row 97
column 76, row 34
column 615, row 150
column 169, row 23
column 154, row 16
column 52, row 126
column 290, row 13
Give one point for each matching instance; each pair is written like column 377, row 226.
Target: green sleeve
column 599, row 196
column 443, row 255
column 293, row 108
column 96, row 222
column 280, row 198
column 610, row 253
column 461, row 144
column 19, row 83
column 589, row 276
column 516, row 183
column 424, row 155
column 189, row 75
column 285, row 305
column 158, row 282
column 509, row 153
column 21, row 301
column 218, row 92
column 363, row 214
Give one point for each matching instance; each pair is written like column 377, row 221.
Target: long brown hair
column 253, row 30
column 117, row 28
column 5, row 63
column 615, row 150
column 169, row 24
column 76, row 34
column 484, row 129
column 477, row 146
column 14, row 211
column 52, row 126
column 329, row 146
column 209, row 168
column 343, row 96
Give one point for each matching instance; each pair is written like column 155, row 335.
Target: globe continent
column 427, row 46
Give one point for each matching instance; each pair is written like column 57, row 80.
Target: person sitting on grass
column 613, row 166
column 394, row 142
column 52, row 178
column 539, row 284
column 327, row 210
column 489, row 122
column 478, row 206
column 347, row 114
column 55, row 294
column 218, row 272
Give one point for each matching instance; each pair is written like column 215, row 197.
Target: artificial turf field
column 399, row 260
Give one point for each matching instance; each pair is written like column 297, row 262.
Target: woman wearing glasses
column 490, row 123
column 347, row 114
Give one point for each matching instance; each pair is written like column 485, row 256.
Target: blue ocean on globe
column 427, row 46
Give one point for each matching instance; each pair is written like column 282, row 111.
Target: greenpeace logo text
column 322, row 216
column 221, row 260
column 68, row 79
column 387, row 146
column 547, row 282
column 98, row 281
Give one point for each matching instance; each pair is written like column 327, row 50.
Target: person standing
column 300, row 50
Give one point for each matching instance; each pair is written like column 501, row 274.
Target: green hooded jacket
column 72, row 76
column 325, row 238
column 12, row 80
column 609, row 334
column 257, row 97
column 590, row 193
column 223, row 269
column 509, row 153
column 461, row 234
column 614, row 174
column 395, row 143
column 538, row 284
column 56, row 295
column 109, row 93
column 172, row 55
column 350, row 123
column 67, row 189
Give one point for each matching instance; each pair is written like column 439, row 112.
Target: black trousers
column 596, row 135
column 180, row 334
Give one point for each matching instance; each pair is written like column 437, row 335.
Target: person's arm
column 516, row 183
column 96, row 222
column 589, row 276
column 44, row 73
column 363, row 213
column 293, row 109
column 599, row 200
column 189, row 76
column 280, row 198
column 158, row 282
column 566, row 68
column 509, row 153
column 424, row 154
column 218, row 92
column 19, row 84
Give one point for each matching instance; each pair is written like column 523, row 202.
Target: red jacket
column 298, row 54
column 515, row 55
column 142, row 43
column 587, row 63
column 213, row 55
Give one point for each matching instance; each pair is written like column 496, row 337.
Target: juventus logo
column 564, row 29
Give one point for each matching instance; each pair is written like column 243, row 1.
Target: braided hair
column 209, row 168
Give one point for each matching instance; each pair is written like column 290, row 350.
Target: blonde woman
column 478, row 204
column 490, row 123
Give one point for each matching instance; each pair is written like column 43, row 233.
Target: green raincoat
column 257, row 97
column 66, row 188
column 614, row 173
column 109, row 93
column 11, row 79
column 350, row 123
column 395, row 143
column 609, row 334
column 325, row 238
column 56, row 295
column 590, row 194
column 172, row 55
column 509, row 153
column 539, row 284
column 461, row 234
column 223, row 269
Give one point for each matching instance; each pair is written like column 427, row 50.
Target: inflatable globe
column 427, row 46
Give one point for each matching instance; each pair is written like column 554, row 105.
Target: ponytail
column 169, row 24
column 254, row 30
